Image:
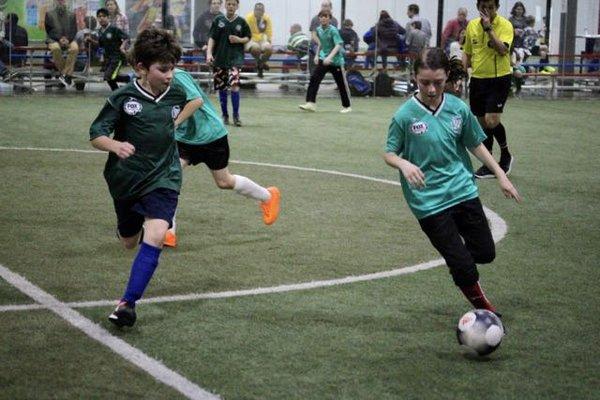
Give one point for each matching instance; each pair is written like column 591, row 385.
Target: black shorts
column 488, row 95
column 462, row 236
column 214, row 154
column 160, row 203
column 112, row 67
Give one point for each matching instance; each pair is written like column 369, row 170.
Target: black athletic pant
column 318, row 75
column 462, row 236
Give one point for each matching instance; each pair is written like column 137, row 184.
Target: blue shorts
column 158, row 204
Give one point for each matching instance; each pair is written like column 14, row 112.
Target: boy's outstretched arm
column 189, row 109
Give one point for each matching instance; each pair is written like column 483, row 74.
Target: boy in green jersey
column 202, row 138
column 329, row 58
column 142, row 171
column 227, row 37
column 428, row 141
column 112, row 41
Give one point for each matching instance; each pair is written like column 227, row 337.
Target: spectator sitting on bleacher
column 113, row 41
column 17, row 36
column 204, row 22
column 387, row 32
column 351, row 41
column 416, row 39
column 518, row 19
column 531, row 36
column 116, row 17
column 87, row 36
column 61, row 28
column 453, row 28
column 298, row 41
column 262, row 36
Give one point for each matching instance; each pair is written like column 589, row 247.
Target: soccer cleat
column 170, row 239
column 346, row 110
column 270, row 208
column 308, row 107
column 237, row 121
column 484, row 173
column 65, row 80
column 506, row 165
column 124, row 315
column 226, row 119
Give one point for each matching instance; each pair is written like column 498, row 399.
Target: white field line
column 498, row 226
column 154, row 367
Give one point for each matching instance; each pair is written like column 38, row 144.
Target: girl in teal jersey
column 428, row 142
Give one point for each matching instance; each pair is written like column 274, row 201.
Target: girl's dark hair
column 432, row 58
column 518, row 4
column 155, row 45
column 457, row 70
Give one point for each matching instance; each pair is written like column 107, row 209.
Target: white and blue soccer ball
column 481, row 331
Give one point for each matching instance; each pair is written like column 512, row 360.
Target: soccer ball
column 480, row 330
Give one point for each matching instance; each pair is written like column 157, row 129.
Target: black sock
column 500, row 135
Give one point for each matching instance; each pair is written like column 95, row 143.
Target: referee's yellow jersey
column 485, row 61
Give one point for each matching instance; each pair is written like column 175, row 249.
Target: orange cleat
column 170, row 239
column 270, row 208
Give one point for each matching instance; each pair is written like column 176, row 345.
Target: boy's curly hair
column 155, row 46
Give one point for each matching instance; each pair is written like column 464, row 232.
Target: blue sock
column 223, row 99
column 142, row 269
column 235, row 100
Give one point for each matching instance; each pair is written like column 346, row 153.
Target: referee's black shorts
column 488, row 95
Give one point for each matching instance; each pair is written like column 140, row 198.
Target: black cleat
column 484, row 173
column 236, row 121
column 226, row 119
column 124, row 315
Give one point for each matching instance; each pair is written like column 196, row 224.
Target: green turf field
column 389, row 338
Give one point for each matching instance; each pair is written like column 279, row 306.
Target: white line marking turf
column 155, row 368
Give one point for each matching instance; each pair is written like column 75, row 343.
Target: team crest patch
column 109, row 35
column 418, row 128
column 238, row 28
column 221, row 24
column 132, row 106
column 456, row 124
column 175, row 111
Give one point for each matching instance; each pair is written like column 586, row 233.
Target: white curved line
column 498, row 227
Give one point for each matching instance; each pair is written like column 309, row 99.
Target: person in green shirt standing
column 329, row 58
column 429, row 141
column 142, row 171
column 227, row 37
column 112, row 41
column 202, row 138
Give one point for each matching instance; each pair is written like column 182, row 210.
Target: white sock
column 249, row 188
column 172, row 229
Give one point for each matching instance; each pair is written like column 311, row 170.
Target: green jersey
column 329, row 38
column 110, row 40
column 147, row 122
column 205, row 125
column 228, row 54
column 437, row 143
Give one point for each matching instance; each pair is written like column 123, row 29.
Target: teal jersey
column 437, row 143
column 205, row 125
column 133, row 115
column 329, row 38
column 228, row 54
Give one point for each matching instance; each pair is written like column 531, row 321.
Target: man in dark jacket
column 61, row 28
column 14, row 36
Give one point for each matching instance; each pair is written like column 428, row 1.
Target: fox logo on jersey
column 132, row 106
column 418, row 128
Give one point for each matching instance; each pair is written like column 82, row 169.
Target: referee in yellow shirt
column 487, row 52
